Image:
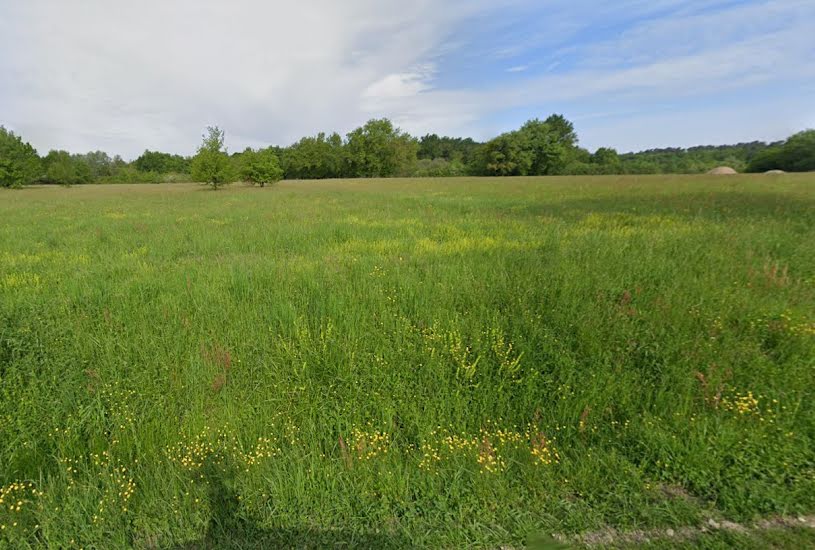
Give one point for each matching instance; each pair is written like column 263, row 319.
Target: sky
column 125, row 76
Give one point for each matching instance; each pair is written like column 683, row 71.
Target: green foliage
column 432, row 147
column 378, row 149
column 797, row 154
column 563, row 129
column 507, row 155
column 211, row 163
column 607, row 161
column 129, row 174
column 549, row 143
column 161, row 163
column 695, row 160
column 538, row 148
column 19, row 163
column 769, row 159
column 438, row 168
column 65, row 169
column 604, row 161
column 316, row 157
column 260, row 167
column 100, row 164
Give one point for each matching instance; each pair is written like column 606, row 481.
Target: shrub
column 437, row 168
column 130, row 174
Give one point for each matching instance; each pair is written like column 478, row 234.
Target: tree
column 538, row 148
column 437, row 168
column 547, row 146
column 506, row 155
column 379, row 150
column 432, row 147
column 769, row 159
column 211, row 163
column 65, row 169
column 580, row 163
column 316, row 158
column 607, row 161
column 260, row 167
column 19, row 163
column 336, row 164
column 563, row 129
column 797, row 154
column 161, row 163
column 694, row 160
column 99, row 163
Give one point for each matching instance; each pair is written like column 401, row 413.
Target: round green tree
column 211, row 164
column 260, row 167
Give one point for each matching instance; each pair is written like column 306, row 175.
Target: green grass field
column 392, row 363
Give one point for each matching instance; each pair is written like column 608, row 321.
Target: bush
column 437, row 168
column 582, row 168
column 129, row 174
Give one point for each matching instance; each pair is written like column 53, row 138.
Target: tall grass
column 456, row 362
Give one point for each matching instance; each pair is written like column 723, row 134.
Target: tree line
column 380, row 149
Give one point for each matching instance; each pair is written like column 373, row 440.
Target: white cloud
column 699, row 30
column 124, row 76
column 767, row 61
column 128, row 75
column 401, row 84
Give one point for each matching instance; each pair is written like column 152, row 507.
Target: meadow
column 394, row 363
